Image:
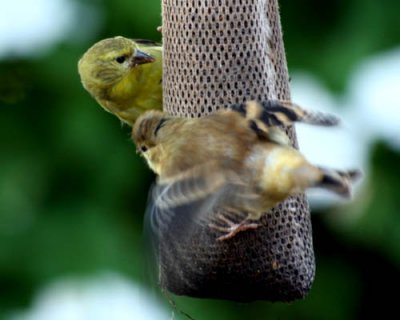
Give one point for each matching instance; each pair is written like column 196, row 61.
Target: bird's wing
column 182, row 201
column 272, row 113
column 285, row 112
column 268, row 118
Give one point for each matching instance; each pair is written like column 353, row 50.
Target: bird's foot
column 233, row 228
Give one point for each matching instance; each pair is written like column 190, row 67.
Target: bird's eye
column 120, row 59
column 143, row 148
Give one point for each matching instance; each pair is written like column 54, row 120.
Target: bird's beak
column 141, row 58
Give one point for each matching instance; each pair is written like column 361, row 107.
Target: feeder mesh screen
column 217, row 53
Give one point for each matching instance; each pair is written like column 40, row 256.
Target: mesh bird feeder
column 218, row 53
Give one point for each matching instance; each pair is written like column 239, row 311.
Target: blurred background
column 73, row 192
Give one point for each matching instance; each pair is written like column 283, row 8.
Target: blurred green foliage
column 73, row 191
column 330, row 37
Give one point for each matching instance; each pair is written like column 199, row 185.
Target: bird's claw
column 233, row 228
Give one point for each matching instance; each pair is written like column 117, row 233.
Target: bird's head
column 109, row 60
column 146, row 131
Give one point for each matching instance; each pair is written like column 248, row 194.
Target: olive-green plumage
column 124, row 76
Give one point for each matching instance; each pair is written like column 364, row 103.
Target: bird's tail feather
column 338, row 181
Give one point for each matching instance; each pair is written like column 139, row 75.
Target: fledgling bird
column 124, row 76
column 238, row 157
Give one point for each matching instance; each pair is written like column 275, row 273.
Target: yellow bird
column 237, row 157
column 124, row 76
